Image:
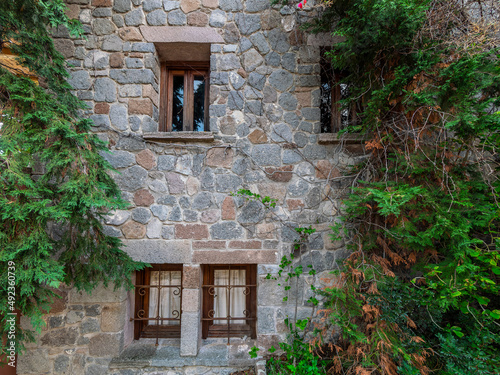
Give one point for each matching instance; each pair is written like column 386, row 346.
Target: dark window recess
column 158, row 301
column 334, row 116
column 229, row 301
column 184, row 97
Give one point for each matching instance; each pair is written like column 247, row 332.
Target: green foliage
column 51, row 222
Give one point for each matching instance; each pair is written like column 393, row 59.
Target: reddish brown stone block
column 257, row 136
column 130, row 34
column 140, row 107
column 228, row 209
column 325, row 170
column 295, row 204
column 133, row 229
column 197, row 19
column 102, row 3
column 200, row 245
column 116, row 60
column 145, row 159
column 210, row 3
column 143, row 198
column 220, row 157
column 136, row 55
column 245, row 245
column 191, row 277
column 281, row 174
column 235, row 256
column 191, row 231
column 101, row 108
column 304, row 98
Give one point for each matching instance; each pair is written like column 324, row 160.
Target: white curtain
column 169, row 301
column 237, row 300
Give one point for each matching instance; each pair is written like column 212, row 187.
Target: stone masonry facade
column 264, row 136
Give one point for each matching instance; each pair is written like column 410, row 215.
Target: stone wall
column 264, row 136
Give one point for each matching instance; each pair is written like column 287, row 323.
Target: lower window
column 158, row 301
column 229, row 301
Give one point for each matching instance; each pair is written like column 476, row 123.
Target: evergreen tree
column 51, row 226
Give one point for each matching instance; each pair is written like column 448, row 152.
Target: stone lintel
column 158, row 251
column 235, row 257
column 181, row 34
column 335, row 138
column 180, row 137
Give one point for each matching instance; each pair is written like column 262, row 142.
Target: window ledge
column 168, row 137
column 335, row 138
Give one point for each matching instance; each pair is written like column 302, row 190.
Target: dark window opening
column 334, row 115
column 158, row 301
column 184, row 97
column 229, row 301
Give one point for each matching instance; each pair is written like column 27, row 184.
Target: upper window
column 334, row 115
column 229, row 301
column 184, row 97
column 158, row 298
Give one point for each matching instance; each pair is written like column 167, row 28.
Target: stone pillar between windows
column 191, row 307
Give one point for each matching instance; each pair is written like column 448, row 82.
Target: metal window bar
column 140, row 314
column 249, row 315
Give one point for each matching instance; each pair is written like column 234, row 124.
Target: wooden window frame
column 209, row 329
column 189, row 70
column 141, row 312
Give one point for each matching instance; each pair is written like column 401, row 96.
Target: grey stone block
column 314, row 152
column 175, row 214
column 160, row 211
column 202, row 201
column 102, row 26
column 177, row 18
column 257, row 80
column 101, row 122
column 89, row 325
column 207, row 179
column 298, row 188
column 154, row 228
column 112, row 43
column 134, row 18
column 61, row 364
column 99, row 295
column 80, row 80
column 141, row 215
column 231, row 5
column 260, row 42
column 124, row 76
column 132, row 178
column 273, row 59
column 105, row 344
column 254, row 107
column 247, row 23
column 278, row 40
column 235, row 100
column 171, row 5
column 267, row 154
column 229, row 62
column 118, row 20
column 251, row 59
column 227, row 230
column 111, row 231
column 157, row 18
column 118, row 116
column 227, row 183
column 130, row 144
column 159, row 251
column 217, row 19
column 288, row 101
column 143, row 47
column 252, row 213
column 132, row 63
column 104, row 90
column 265, row 320
column 122, row 6
column 281, row 80
column 168, row 200
column 236, row 80
column 281, row 133
column 219, row 78
column 254, row 6
column 311, row 114
column 289, row 61
column 149, row 5
column 60, row 337
column 190, row 216
column 166, row 162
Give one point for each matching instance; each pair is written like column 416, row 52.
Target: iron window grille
column 158, row 301
column 229, row 301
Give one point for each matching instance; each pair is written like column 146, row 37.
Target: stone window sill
column 213, row 353
column 335, row 138
column 170, row 137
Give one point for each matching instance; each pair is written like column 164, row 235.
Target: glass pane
column 229, row 300
column 199, row 104
column 177, row 103
column 169, row 303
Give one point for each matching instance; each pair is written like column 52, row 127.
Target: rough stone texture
column 189, row 333
column 60, row 337
column 143, row 198
column 133, row 230
column 159, row 251
column 235, row 257
column 191, row 231
column 266, row 154
column 191, row 277
column 33, row 362
column 105, row 345
column 146, row 159
column 220, row 157
column 281, row 174
column 132, row 178
column 189, row 5
column 226, row 231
